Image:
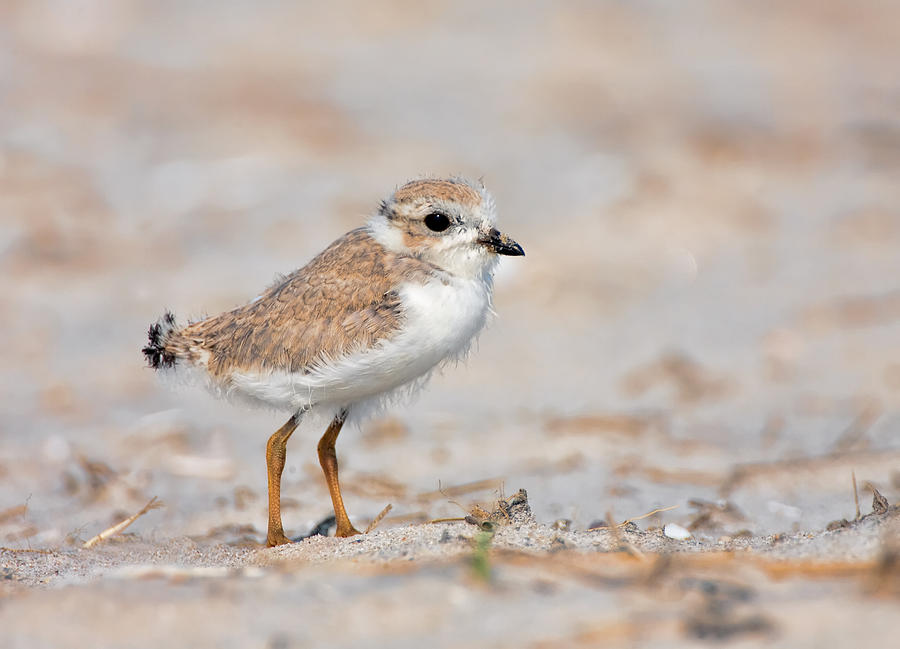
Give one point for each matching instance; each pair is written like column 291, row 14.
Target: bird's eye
column 437, row 222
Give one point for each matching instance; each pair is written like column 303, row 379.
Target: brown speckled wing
column 343, row 300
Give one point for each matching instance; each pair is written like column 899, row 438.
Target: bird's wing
column 344, row 300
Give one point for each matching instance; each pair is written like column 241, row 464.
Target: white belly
column 441, row 318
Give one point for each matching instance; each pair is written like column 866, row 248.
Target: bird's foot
column 346, row 530
column 275, row 538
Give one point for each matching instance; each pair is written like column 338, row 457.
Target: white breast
column 441, row 318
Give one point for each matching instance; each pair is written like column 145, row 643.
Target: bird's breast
column 441, row 317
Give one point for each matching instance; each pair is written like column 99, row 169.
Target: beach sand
column 704, row 328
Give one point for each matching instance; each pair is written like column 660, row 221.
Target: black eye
column 437, row 222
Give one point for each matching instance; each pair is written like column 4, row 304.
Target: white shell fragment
column 676, row 531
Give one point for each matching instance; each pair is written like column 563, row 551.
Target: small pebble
column 562, row 525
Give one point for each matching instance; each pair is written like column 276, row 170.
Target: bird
column 366, row 320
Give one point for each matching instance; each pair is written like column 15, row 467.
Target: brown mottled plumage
column 441, row 190
column 343, row 298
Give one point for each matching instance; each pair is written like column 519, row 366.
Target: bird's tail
column 157, row 351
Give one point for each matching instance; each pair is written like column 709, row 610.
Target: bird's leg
column 276, row 452
column 328, row 460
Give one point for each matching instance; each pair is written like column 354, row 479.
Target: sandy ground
column 705, row 323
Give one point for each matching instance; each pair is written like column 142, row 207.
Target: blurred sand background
column 707, row 315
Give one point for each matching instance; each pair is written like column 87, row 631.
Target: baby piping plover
column 370, row 316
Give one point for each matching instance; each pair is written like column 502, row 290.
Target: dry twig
column 461, row 490
column 118, row 527
column 648, row 515
column 620, row 540
column 377, row 519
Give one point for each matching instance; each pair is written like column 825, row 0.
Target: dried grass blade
column 118, row 527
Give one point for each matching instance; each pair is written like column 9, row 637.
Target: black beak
column 501, row 244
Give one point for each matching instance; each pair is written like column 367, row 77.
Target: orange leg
column 328, row 460
column 276, row 452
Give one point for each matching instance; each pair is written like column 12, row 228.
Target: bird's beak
column 500, row 243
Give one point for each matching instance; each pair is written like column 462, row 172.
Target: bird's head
column 448, row 223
